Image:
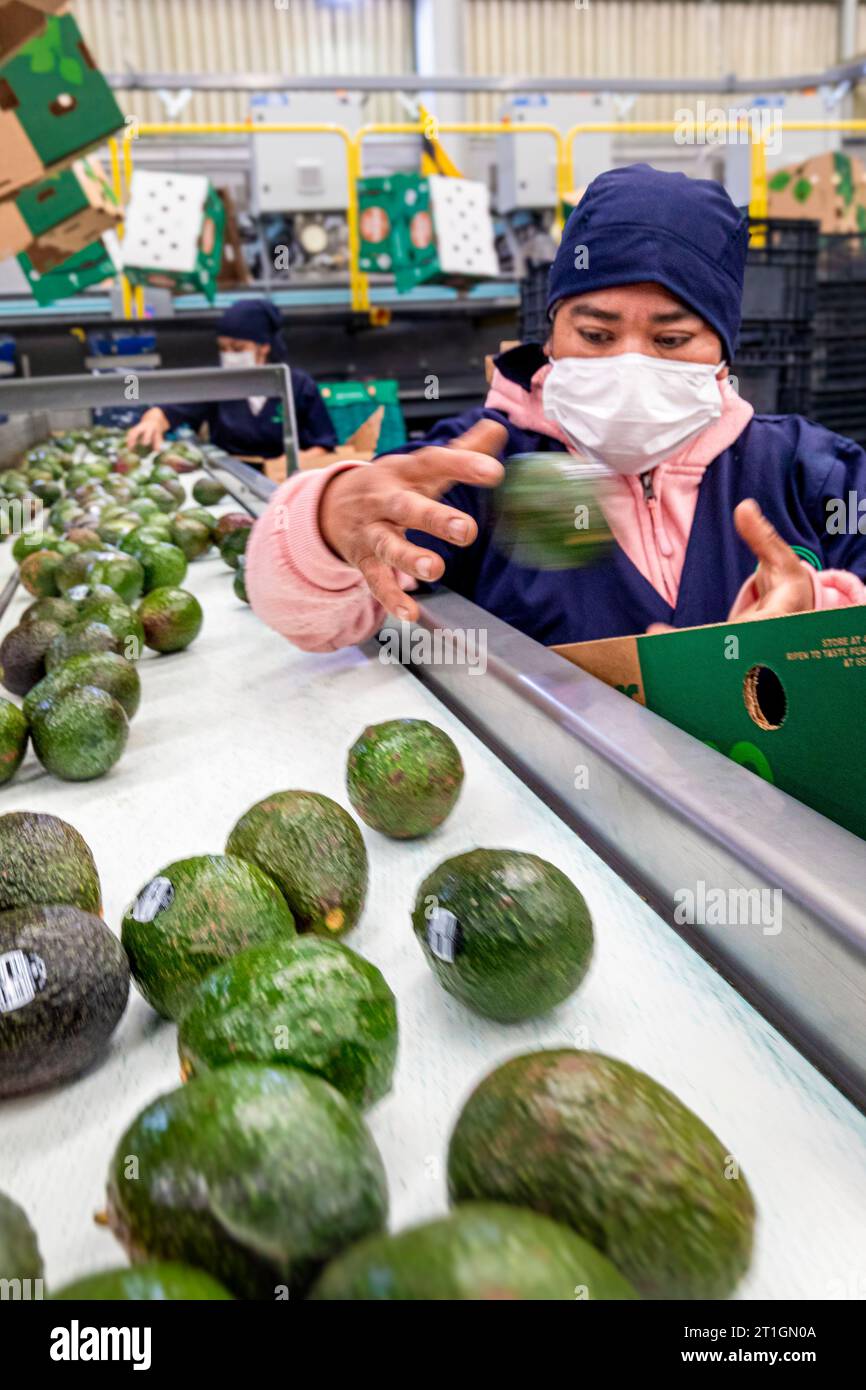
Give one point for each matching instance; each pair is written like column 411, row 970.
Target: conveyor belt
column 242, row 714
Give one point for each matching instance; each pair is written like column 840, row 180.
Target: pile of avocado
column 104, row 564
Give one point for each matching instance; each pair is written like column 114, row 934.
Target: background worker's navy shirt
column 234, row 427
column 791, row 466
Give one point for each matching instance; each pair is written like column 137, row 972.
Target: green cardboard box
column 785, row 697
column 87, row 267
column 426, row 229
column 55, row 105
column 53, row 219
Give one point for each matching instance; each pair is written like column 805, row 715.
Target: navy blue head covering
column 255, row 321
column 641, row 224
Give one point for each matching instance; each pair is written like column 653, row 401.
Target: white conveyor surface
column 242, row 714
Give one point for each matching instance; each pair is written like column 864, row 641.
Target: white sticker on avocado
column 154, row 898
column 444, row 935
column 22, row 976
column 78, row 593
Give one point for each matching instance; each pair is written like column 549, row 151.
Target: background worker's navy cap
column 641, row 224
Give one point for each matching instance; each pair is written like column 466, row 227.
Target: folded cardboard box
column 23, row 20
column 829, row 189
column 174, row 235
column 90, row 266
column 55, row 106
column 56, row 217
column 784, row 697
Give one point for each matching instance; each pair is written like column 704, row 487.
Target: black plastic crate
column 773, row 367
column 781, row 270
column 534, row 323
column 842, row 257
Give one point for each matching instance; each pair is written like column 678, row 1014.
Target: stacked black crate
column 774, row 356
column 839, row 358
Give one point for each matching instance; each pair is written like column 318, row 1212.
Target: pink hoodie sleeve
column 830, row 589
column 295, row 582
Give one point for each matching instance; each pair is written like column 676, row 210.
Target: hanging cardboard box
column 423, row 230
column 782, row 696
column 89, row 266
column 829, row 189
column 175, row 227
column 55, row 105
column 23, row 20
column 57, row 216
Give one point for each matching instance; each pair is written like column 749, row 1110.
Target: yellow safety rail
column 117, row 184
column 360, row 290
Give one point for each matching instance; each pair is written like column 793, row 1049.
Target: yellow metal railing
column 565, row 149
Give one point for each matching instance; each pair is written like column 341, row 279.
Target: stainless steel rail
column 669, row 814
column 22, row 396
column 852, row 72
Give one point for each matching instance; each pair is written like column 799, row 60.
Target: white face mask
column 247, row 358
column 631, row 411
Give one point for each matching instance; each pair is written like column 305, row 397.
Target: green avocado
column 240, row 581
column 57, row 610
column 79, row 735
column 105, row 670
column 231, row 521
column 482, row 1252
column 234, row 545
column 43, row 860
column 23, row 654
column 121, row 572
column 119, row 618
column 549, row 515
column 74, row 570
column 164, row 564
column 192, row 916
column 39, row 573
column 208, row 492
column 190, row 535
column 314, row 851
column 14, row 734
column 87, row 635
column 19, row 1248
column 504, row 932
column 147, row 1283
column 593, row 1142
column 64, row 988
column 308, row 1003
column 404, row 777
column 31, row 542
column 172, row 619
column 258, row 1175
column 160, row 494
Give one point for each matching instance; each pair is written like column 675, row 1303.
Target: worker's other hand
column 782, row 583
column 366, row 512
column 150, row 430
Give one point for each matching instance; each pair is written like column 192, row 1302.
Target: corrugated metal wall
column 647, row 38
column 306, row 36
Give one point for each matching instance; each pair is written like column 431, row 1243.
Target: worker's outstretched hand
column 781, row 581
column 149, row 431
column 366, row 512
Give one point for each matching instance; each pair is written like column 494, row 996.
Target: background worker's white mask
column 239, row 359
column 631, row 411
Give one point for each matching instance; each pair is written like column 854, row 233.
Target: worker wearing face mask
column 707, row 502
column 249, row 335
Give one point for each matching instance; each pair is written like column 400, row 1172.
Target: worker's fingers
column 388, row 544
column 383, row 586
column 763, row 539
column 414, row 512
column 434, row 469
column 485, row 437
